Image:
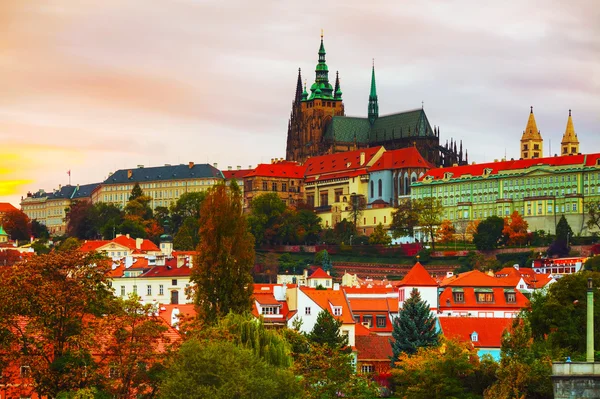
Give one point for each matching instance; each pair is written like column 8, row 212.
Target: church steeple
column 321, row 88
column 532, row 144
column 298, row 96
column 570, row 143
column 337, row 91
column 373, row 105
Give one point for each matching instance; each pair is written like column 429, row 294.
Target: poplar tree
column 414, row 327
column 222, row 278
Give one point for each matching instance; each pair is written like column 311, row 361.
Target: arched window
column 405, row 188
column 372, row 189
column 380, row 187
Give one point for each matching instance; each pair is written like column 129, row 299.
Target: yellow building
column 532, row 144
column 164, row 184
column 570, row 143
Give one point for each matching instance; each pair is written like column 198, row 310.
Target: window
column 372, row 189
column 270, row 310
column 149, row 289
column 484, row 297
column 122, row 290
column 337, row 310
column 113, row 372
column 368, row 320
column 380, row 188
column 307, row 310
column 161, row 289
column 367, row 368
column 265, row 186
column 459, row 297
column 324, row 198
column 511, row 297
column 310, row 200
column 381, row 321
column 338, row 193
column 283, row 187
column 25, row 371
column 274, row 186
column 135, row 289
column 474, row 336
column 174, row 282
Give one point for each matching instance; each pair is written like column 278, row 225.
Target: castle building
column 532, row 144
column 318, row 124
column 283, row 178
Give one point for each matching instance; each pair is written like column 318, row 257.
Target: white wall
column 155, row 282
column 428, row 294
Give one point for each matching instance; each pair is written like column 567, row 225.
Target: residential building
column 418, row 278
column 50, row 208
column 3, row 236
column 236, row 175
column 6, row 207
column 164, row 184
column 373, row 353
column 374, row 308
column 318, row 124
column 283, row 178
column 484, row 334
column 122, row 246
column 525, row 279
column 320, row 278
column 270, row 303
column 558, row 267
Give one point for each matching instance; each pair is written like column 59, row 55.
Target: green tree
column 323, row 259
column 39, row 230
column 136, row 192
column 135, row 228
column 430, row 212
column 223, row 370
column 379, row 236
column 563, row 230
column 327, row 331
column 187, row 237
column 80, row 218
column 107, row 218
column 489, row 233
column 358, row 204
column 186, row 207
column 222, row 278
column 593, row 211
column 593, row 263
column 265, row 219
column 414, row 327
column 309, row 224
column 344, row 231
column 405, row 218
column 524, row 370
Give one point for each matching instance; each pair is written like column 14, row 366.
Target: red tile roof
column 319, row 273
column 366, row 290
column 418, row 277
column 146, row 246
column 495, row 167
column 470, row 302
column 401, row 158
column 235, row 174
column 474, row 278
column 266, row 299
column 286, row 169
column 489, row 331
column 369, row 304
column 341, row 163
column 92, row 245
column 168, row 271
column 373, row 347
column 328, row 298
column 6, row 207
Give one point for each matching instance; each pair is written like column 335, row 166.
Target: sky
column 93, row 86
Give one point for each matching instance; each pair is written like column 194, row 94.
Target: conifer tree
column 136, row 192
column 414, row 327
column 327, row 331
column 563, row 230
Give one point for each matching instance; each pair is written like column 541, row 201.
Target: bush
column 424, row 256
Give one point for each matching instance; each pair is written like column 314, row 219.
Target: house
column 320, row 278
column 270, row 303
column 418, row 278
column 484, row 334
column 524, row 279
column 476, row 294
column 280, row 177
column 373, row 307
column 121, row 246
column 558, row 267
column 373, row 352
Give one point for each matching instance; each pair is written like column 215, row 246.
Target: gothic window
column 380, row 188
column 372, row 189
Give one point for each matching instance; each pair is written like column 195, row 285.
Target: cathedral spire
column 570, row 142
column 298, row 97
column 321, row 88
column 373, row 105
column 337, row 91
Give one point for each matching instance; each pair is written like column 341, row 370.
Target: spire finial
column 569, row 112
column 321, row 33
column 373, row 62
column 531, row 109
column 422, row 104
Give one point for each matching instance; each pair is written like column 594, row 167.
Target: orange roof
column 130, row 243
column 495, row 167
column 366, row 290
column 287, row 169
column 418, row 277
column 373, row 347
column 266, row 299
column 401, row 158
column 370, row 304
column 489, row 330
column 6, row 207
column 328, row 298
column 470, row 302
column 474, row 278
column 393, row 305
column 359, row 329
column 92, row 245
column 319, row 273
column 235, row 174
column 340, row 162
column 185, row 311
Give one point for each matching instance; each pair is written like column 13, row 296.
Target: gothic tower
column 532, row 144
column 570, row 143
column 373, row 105
column 311, row 113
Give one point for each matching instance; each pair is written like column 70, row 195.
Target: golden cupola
column 532, row 144
column 570, row 143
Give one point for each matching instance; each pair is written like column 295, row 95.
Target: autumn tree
column 379, row 236
column 358, row 204
column 489, row 233
column 16, row 224
column 81, row 220
column 405, row 218
column 451, row 370
column 222, row 278
column 414, row 327
column 471, row 229
column 445, row 233
column 515, row 229
column 327, row 331
column 430, row 211
column 50, row 311
column 265, row 219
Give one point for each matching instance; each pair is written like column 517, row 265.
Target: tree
column 61, row 297
column 109, row 217
column 187, row 237
column 322, row 258
column 358, row 204
column 39, row 230
column 187, row 207
column 344, row 231
column 472, row 227
column 81, row 218
column 563, row 230
column 16, row 224
column 136, row 192
column 405, row 218
column 309, row 224
column 327, row 331
column 515, row 229
column 445, row 232
column 524, row 371
column 489, row 233
column 593, row 264
column 222, row 278
column 413, row 328
column 379, row 236
column 430, row 212
column 451, row 370
column 265, row 219
column 271, row 266
column 593, row 210
column 223, row 370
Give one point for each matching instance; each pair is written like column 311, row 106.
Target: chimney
column 190, row 164
column 362, row 158
column 138, row 242
column 59, row 187
column 216, row 165
column 128, row 261
column 127, row 235
column 175, row 318
column 516, row 266
column 129, row 173
column 449, row 274
column 239, row 167
column 229, row 168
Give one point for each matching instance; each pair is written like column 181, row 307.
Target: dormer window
column 337, row 310
column 484, row 295
column 487, row 171
column 458, row 295
column 474, row 336
column 510, row 296
column 448, row 175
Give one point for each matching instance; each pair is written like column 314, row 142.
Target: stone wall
column 576, row 380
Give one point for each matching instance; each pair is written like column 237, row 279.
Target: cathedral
column 318, row 124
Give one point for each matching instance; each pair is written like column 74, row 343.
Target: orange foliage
column 445, row 232
column 515, row 229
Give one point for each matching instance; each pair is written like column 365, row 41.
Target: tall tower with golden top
column 570, row 143
column 532, row 144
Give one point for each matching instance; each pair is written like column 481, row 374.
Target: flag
column 69, row 172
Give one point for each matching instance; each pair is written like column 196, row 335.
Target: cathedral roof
column 570, row 136
column 531, row 132
column 401, row 158
column 341, row 164
column 386, row 128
